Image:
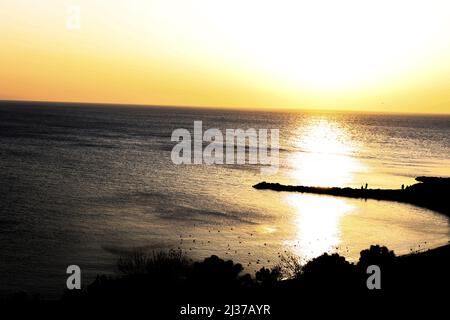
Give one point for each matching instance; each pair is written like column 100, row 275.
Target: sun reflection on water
column 317, row 223
column 324, row 158
column 325, row 155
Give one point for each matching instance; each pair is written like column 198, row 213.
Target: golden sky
column 345, row 55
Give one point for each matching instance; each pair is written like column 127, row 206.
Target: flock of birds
column 184, row 241
column 188, row 243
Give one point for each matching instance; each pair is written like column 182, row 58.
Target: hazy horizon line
column 226, row 108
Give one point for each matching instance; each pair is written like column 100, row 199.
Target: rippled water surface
column 81, row 184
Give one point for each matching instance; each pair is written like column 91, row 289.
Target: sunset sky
column 340, row 55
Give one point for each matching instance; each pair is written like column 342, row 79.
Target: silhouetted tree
column 268, row 277
column 331, row 273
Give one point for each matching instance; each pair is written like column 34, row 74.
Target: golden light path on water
column 318, row 224
column 324, row 159
column 324, row 156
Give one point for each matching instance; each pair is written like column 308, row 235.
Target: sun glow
column 328, row 45
column 364, row 55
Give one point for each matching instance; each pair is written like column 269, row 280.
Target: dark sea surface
column 82, row 184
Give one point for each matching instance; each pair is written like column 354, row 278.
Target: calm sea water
column 83, row 184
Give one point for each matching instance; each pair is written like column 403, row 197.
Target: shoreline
column 430, row 192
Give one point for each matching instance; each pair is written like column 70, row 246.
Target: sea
column 84, row 184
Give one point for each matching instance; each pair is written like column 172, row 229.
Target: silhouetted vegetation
column 160, row 263
column 290, row 266
column 168, row 280
column 163, row 281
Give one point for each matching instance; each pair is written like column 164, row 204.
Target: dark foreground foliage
column 163, row 282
